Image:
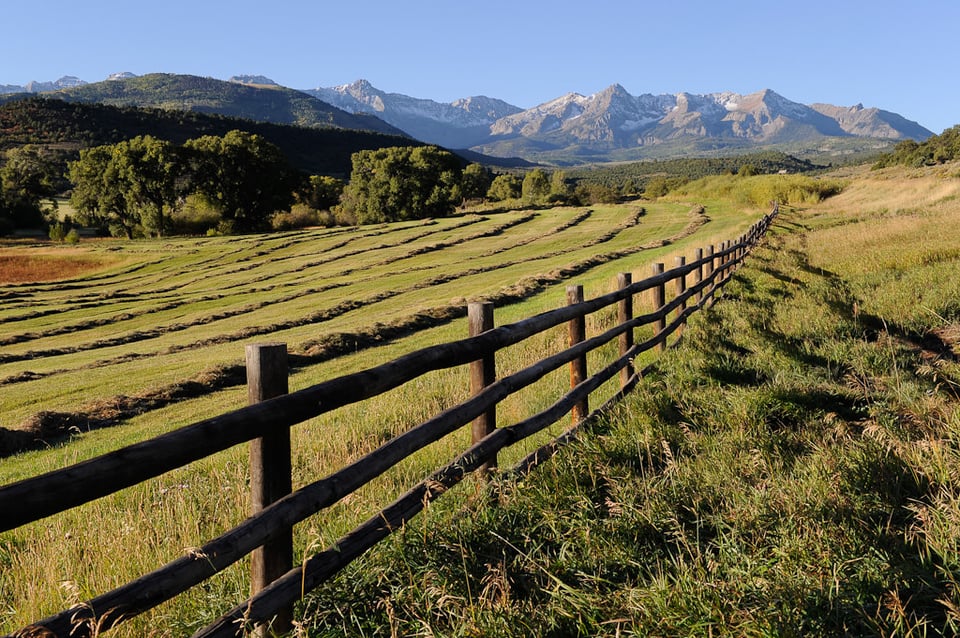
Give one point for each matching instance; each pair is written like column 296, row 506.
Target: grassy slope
column 790, row 470
column 51, row 564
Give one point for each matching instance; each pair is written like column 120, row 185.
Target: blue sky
column 899, row 56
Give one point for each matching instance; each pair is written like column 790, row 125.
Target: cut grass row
column 291, row 316
column 791, row 469
column 51, row 564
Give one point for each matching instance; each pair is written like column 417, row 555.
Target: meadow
column 151, row 338
column 791, row 469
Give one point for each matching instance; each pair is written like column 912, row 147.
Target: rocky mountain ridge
column 613, row 120
column 610, row 124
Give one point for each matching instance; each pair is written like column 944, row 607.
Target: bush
column 196, row 216
column 58, row 232
column 299, row 216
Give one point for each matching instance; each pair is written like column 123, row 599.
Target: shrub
column 197, row 215
column 299, row 216
column 58, row 232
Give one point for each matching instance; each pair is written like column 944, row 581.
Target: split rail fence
column 276, row 583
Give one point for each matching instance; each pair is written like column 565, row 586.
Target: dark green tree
column 401, row 183
column 246, row 176
column 28, row 175
column 99, row 191
column 475, row 181
column 536, row 186
column 503, row 187
column 150, row 171
column 560, row 188
column 321, row 192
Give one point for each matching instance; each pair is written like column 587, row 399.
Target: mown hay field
column 791, row 469
column 152, row 338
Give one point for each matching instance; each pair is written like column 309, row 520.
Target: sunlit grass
column 67, row 558
column 791, row 469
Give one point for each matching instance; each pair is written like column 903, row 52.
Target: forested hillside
column 275, row 104
column 938, row 149
column 69, row 126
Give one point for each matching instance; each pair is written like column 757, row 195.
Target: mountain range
column 614, row 123
column 609, row 125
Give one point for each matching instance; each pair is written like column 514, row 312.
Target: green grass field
column 154, row 340
column 792, row 469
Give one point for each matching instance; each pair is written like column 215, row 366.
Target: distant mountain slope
column 262, row 103
column 69, row 126
column 67, row 81
column 613, row 124
column 613, row 120
column 873, row 122
column 460, row 124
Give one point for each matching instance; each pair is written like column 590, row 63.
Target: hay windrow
column 46, row 428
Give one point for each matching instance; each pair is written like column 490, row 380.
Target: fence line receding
column 267, row 534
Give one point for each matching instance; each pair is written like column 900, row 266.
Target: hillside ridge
column 611, row 124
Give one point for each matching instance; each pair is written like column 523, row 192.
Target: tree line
column 937, row 149
column 136, row 186
column 240, row 182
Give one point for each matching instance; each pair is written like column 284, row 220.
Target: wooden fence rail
column 266, row 421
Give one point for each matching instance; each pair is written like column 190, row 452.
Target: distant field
column 172, row 310
column 153, row 340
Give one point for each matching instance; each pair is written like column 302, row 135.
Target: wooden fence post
column 625, row 314
column 577, row 331
column 698, row 277
column 681, row 288
column 659, row 293
column 709, row 274
column 267, row 374
column 482, row 373
column 725, row 260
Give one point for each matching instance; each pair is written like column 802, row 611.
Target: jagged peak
column 360, row 85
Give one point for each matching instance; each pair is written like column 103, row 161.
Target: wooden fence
column 276, row 584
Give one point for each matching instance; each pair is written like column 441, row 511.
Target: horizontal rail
column 59, row 490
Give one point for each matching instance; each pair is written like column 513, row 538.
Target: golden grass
column 51, row 564
column 30, row 265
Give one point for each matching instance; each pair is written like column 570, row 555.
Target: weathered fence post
column 659, row 293
column 720, row 260
column 482, row 373
column 577, row 331
column 625, row 314
column 709, row 274
column 698, row 277
column 681, row 288
column 267, row 374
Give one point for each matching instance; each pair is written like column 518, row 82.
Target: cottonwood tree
column 475, row 181
column 150, row 170
column 401, row 183
column 98, row 192
column 503, row 187
column 129, row 186
column 244, row 175
column 321, row 192
column 536, row 186
column 27, row 176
